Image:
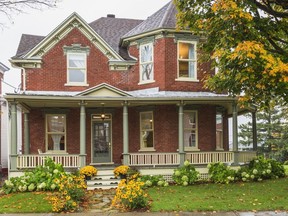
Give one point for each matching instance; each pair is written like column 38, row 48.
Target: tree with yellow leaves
column 248, row 40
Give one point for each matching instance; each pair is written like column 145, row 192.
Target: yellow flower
column 88, row 171
column 121, row 170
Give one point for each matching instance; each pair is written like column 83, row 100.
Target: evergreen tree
column 272, row 132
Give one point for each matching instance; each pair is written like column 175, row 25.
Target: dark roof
column 163, row 18
column 112, row 29
column 27, row 42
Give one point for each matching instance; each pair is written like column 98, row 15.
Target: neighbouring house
column 119, row 91
column 3, row 148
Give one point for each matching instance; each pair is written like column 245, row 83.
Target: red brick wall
column 165, row 130
column 53, row 74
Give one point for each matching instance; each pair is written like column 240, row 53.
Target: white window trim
column 189, row 148
column 187, row 79
column 142, row 147
column 46, row 135
column 140, row 64
column 84, row 83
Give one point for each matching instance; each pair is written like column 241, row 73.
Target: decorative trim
column 185, row 37
column 76, row 48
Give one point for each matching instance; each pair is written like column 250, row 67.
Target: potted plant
column 88, row 172
column 121, row 171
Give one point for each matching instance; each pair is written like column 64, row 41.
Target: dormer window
column 187, row 61
column 146, row 63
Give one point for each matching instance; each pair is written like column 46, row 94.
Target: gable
column 73, row 21
column 104, row 90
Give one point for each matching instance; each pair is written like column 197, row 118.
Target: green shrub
column 153, row 180
column 185, row 175
column 261, row 168
column 221, row 173
column 40, row 179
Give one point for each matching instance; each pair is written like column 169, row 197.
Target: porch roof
column 152, row 96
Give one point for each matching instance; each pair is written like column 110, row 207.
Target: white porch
column 142, row 159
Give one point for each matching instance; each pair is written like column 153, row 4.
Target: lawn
column 260, row 196
column 266, row 195
column 36, row 202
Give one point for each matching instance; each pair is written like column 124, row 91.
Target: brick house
column 3, row 147
column 119, row 91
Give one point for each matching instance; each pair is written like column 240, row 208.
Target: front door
column 101, row 141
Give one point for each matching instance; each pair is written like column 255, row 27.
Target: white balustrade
column 31, row 161
column 154, row 159
column 209, row 157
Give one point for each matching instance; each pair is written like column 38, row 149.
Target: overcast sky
column 43, row 22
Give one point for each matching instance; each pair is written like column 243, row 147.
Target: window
column 147, row 130
column 146, row 63
column 190, row 130
column 187, row 60
column 76, row 68
column 55, row 132
column 219, row 131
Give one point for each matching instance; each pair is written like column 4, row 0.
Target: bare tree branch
column 10, row 8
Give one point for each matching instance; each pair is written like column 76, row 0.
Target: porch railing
column 154, row 159
column 209, row 157
column 245, row 157
column 31, row 161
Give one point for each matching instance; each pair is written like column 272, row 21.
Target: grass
column 35, row 202
column 258, row 196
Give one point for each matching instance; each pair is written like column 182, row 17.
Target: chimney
column 111, row 15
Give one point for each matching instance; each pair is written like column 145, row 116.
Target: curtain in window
column 56, row 124
column 191, row 66
column 146, row 62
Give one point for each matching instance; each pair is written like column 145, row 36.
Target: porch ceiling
column 33, row 101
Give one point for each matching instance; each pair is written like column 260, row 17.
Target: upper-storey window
column 187, row 60
column 146, row 63
column 76, row 69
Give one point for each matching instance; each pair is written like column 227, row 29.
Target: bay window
column 187, row 60
column 146, row 63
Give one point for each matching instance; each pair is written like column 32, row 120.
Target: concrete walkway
column 270, row 213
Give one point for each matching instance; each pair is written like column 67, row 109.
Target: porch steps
column 103, row 180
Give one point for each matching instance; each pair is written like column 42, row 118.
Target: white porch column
column 181, row 133
column 254, row 130
column 125, row 134
column 235, row 132
column 82, row 134
column 13, row 144
column 26, row 134
column 235, row 127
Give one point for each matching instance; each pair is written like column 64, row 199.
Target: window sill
column 147, row 150
column 183, row 79
column 146, row 82
column 76, row 84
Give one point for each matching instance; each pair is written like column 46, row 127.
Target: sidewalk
column 267, row 213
